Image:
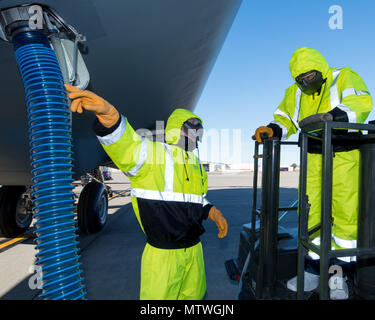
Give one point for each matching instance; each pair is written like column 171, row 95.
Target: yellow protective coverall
column 344, row 95
column 168, row 194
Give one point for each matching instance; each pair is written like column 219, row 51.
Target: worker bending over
column 342, row 93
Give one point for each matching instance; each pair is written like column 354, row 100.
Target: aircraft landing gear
column 92, row 207
column 15, row 210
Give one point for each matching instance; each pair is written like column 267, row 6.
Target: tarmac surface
column 111, row 259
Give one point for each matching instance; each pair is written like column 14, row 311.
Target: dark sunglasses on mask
column 193, row 123
column 194, row 127
column 310, row 82
column 306, row 77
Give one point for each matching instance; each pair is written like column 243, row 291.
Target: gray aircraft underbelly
column 147, row 57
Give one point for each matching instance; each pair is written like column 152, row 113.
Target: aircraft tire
column 92, row 208
column 14, row 219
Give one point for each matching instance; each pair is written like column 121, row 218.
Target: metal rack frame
column 266, row 269
column 324, row 130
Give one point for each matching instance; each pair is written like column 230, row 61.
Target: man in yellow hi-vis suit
column 168, row 193
column 342, row 93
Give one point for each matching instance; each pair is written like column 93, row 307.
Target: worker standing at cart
column 168, row 192
column 342, row 93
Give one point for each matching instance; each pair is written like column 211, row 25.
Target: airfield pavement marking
column 118, row 194
column 9, row 244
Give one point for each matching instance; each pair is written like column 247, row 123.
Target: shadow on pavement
column 112, row 258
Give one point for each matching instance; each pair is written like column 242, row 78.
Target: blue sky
column 252, row 70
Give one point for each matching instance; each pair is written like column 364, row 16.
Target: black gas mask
column 310, row 82
column 191, row 133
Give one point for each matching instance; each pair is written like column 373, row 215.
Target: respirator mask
column 191, row 133
column 310, row 82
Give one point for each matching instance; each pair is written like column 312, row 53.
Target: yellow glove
column 85, row 99
column 261, row 130
column 216, row 216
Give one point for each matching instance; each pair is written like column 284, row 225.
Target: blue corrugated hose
column 50, row 131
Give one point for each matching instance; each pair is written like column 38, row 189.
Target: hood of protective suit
column 306, row 59
column 174, row 124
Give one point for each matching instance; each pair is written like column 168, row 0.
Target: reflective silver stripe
column 335, row 99
column 351, row 91
column 347, row 244
column 205, row 201
column 166, row 196
column 347, row 259
column 334, row 94
column 281, row 113
column 142, row 158
column 168, row 169
column 350, row 113
column 297, row 104
column 283, row 129
column 115, row 135
column 312, row 254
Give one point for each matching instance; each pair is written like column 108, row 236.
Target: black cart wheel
column 15, row 219
column 92, row 208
